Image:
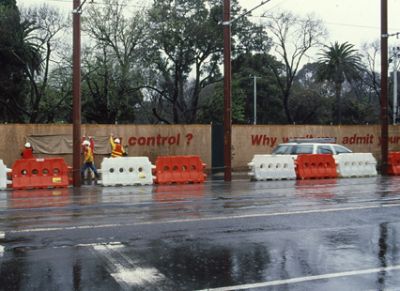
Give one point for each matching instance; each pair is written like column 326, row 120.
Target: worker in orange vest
column 117, row 150
column 27, row 153
column 88, row 157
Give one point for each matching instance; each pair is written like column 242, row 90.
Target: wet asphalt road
column 279, row 235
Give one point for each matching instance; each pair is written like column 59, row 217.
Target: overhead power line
column 337, row 23
column 104, row 3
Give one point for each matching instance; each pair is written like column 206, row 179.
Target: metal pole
column 227, row 92
column 76, row 91
column 384, row 86
column 395, row 85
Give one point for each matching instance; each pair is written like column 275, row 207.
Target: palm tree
column 339, row 63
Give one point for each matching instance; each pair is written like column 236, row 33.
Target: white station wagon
column 310, row 146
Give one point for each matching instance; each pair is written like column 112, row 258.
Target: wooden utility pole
column 76, row 91
column 227, row 23
column 384, row 86
column 227, row 92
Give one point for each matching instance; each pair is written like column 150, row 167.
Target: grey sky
column 356, row 21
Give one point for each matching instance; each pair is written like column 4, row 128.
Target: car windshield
column 283, row 149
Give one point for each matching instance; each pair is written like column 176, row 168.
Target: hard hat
column 28, row 145
column 86, row 143
column 117, row 140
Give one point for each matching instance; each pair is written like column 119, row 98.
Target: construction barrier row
column 54, row 172
column 312, row 166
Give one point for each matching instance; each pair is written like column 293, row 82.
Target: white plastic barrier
column 3, row 176
column 126, row 171
column 272, row 167
column 356, row 165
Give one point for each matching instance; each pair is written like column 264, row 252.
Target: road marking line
column 137, row 276
column 1, row 247
column 111, row 243
column 305, row 279
column 129, row 274
column 107, row 247
column 215, row 218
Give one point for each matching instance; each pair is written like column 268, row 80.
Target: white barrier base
column 356, row 165
column 272, row 167
column 3, row 176
column 126, row 171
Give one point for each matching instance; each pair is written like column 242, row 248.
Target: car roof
column 330, row 140
column 307, row 143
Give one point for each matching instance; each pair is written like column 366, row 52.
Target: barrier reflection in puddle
column 180, row 201
column 39, row 198
column 169, row 193
column 316, row 189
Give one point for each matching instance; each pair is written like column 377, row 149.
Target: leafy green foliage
column 12, row 74
column 213, row 108
column 269, row 105
column 187, row 52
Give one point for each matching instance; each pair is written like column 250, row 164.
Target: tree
column 212, row 104
column 371, row 74
column 269, row 105
column 18, row 55
column 292, row 37
column 186, row 53
column 46, row 26
column 311, row 102
column 27, row 47
column 184, row 41
column 113, row 67
column 339, row 63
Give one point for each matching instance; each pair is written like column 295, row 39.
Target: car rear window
column 324, row 149
column 303, row 149
column 341, row 150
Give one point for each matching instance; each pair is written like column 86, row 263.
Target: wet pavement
column 277, row 235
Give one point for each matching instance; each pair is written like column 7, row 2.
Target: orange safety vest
column 117, row 151
column 27, row 153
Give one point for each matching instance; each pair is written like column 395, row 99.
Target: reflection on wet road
column 281, row 235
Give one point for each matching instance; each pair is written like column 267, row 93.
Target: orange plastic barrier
column 40, row 173
column 179, row 169
column 394, row 163
column 315, row 166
